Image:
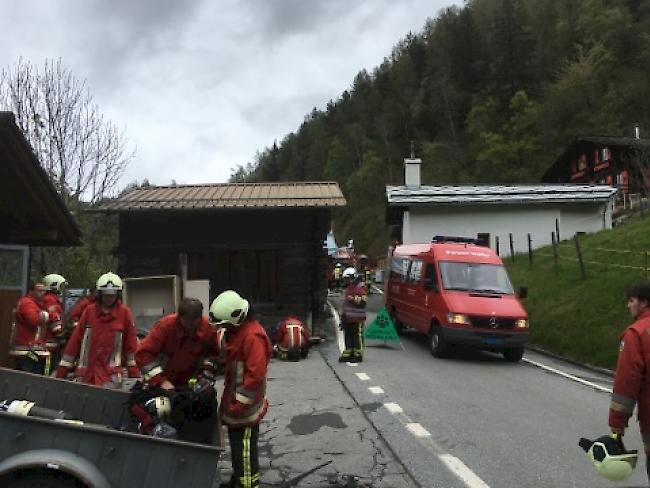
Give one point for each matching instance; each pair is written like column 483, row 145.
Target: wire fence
column 589, row 258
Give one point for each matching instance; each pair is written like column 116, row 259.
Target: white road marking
column 354, row 365
column 377, row 289
column 376, row 390
column 569, row 376
column 362, row 376
column 417, row 430
column 462, row 471
column 393, row 408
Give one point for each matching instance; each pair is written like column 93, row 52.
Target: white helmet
column 109, row 283
column 228, row 308
column 610, row 458
column 54, row 282
column 350, row 273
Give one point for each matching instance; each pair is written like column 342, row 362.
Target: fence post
column 557, row 230
column 554, row 242
column 512, row 248
column 497, row 245
column 579, row 253
column 530, row 250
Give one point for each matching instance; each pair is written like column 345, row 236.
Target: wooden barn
column 31, row 214
column 264, row 240
column 620, row 162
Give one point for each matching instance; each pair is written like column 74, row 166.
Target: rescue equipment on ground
column 609, row 457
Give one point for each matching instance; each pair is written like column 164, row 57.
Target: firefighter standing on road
column 338, row 272
column 27, row 343
column 78, row 308
column 292, row 339
column 104, row 336
column 243, row 405
column 54, row 335
column 632, row 381
column 353, row 315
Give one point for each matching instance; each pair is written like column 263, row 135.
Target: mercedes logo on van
column 494, row 322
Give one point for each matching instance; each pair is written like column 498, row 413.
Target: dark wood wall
column 8, row 301
column 275, row 258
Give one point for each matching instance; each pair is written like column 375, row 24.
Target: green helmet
column 54, row 282
column 109, row 283
column 228, row 308
column 610, row 458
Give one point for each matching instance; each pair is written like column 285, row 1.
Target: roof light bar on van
column 460, row 240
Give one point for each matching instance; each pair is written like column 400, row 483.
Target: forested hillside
column 490, row 92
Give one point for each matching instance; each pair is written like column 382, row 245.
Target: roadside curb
column 590, row 367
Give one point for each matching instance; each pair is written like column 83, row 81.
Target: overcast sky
column 200, row 86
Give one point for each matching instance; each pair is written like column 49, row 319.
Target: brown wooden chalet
column 620, row 162
column 264, row 240
column 32, row 213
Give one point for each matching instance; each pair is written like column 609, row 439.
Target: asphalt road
column 475, row 420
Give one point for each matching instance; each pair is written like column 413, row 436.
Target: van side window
column 398, row 269
column 415, row 272
column 430, row 282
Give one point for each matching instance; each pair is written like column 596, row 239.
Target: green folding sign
column 381, row 328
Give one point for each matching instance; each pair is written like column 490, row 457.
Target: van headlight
column 521, row 324
column 458, row 318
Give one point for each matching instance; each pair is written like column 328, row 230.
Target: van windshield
column 475, row 277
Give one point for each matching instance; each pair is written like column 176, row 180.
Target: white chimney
column 637, row 133
column 412, row 172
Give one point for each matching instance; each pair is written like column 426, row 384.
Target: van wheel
column 438, row 346
column 513, row 354
column 399, row 326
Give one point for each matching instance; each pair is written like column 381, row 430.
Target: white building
column 418, row 212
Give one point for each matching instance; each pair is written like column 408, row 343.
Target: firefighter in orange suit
column 191, row 348
column 27, row 342
column 103, row 340
column 243, row 404
column 631, row 381
column 353, row 316
column 54, row 335
column 292, row 339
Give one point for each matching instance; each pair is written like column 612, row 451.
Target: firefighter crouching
column 27, row 343
column 353, row 316
column 55, row 332
column 292, row 339
column 243, row 404
column 103, row 340
column 179, row 355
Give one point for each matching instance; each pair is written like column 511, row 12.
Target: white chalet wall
column 420, row 224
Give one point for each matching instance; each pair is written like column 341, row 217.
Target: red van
column 457, row 292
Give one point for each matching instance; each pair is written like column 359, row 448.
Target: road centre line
column 462, row 471
column 353, row 365
column 568, row 376
column 376, row 390
column 393, row 408
column 363, row 376
column 417, row 430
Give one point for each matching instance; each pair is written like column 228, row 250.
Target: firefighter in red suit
column 189, row 345
column 27, row 342
column 631, row 381
column 104, row 341
column 292, row 339
column 353, row 316
column 78, row 308
column 54, row 335
column 243, row 404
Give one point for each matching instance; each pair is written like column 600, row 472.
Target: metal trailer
column 50, row 453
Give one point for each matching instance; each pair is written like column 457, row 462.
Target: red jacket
column 248, row 352
column 291, row 333
column 105, row 341
column 632, row 382
column 28, row 331
column 79, row 307
column 354, row 304
column 53, row 306
column 168, row 353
